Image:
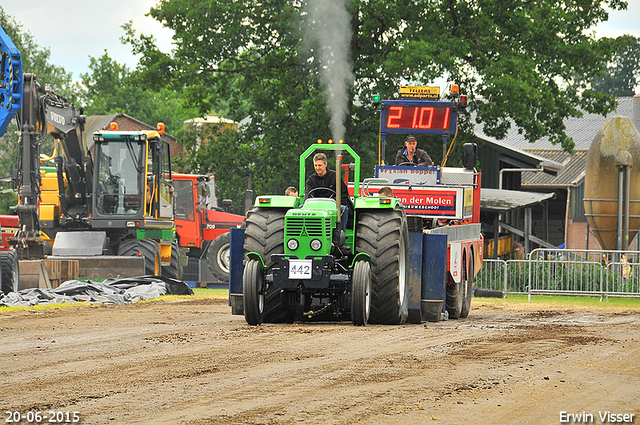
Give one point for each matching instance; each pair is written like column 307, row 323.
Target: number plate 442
column 300, row 269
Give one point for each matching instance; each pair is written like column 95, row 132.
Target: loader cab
column 132, row 180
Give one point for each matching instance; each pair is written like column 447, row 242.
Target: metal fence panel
column 565, row 271
column 509, row 277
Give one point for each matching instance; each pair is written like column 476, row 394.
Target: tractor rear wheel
column 145, row 248
column 466, row 306
column 361, row 293
column 253, row 293
column 456, row 294
column 10, row 271
column 218, row 257
column 384, row 235
column 264, row 235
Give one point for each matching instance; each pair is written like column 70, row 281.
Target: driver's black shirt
column 329, row 181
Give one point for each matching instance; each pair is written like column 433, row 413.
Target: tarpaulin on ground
column 127, row 290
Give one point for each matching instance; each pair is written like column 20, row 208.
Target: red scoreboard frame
column 411, row 116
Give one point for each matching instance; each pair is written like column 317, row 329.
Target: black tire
column 174, row 270
column 385, row 237
column 47, row 248
column 466, row 306
column 456, row 294
column 218, row 256
column 146, row 248
column 488, row 293
column 361, row 293
column 264, row 234
column 10, row 279
column 253, row 293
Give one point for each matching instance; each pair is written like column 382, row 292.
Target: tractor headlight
column 316, row 244
column 292, row 244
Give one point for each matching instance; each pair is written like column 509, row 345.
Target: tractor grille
column 308, row 226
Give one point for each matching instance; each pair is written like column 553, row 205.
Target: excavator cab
column 132, row 182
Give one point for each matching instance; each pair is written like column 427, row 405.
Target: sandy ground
column 192, row 362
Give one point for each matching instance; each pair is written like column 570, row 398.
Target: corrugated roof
column 572, row 171
column 501, row 200
column 582, row 130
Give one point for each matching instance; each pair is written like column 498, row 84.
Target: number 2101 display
column 409, row 117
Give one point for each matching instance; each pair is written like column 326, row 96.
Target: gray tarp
column 110, row 291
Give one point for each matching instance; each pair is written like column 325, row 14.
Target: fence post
column 506, row 274
column 529, row 279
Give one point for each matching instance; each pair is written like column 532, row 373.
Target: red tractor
column 203, row 228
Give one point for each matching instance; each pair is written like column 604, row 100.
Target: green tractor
column 304, row 264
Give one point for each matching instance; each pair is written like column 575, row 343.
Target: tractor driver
column 411, row 154
column 327, row 178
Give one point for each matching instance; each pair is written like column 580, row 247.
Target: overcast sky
column 74, row 30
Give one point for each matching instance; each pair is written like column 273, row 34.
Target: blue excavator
column 11, row 83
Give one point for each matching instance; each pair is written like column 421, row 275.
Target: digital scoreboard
column 411, row 116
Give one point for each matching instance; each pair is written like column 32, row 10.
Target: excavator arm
column 45, row 112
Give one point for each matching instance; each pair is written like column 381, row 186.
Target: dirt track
column 193, row 362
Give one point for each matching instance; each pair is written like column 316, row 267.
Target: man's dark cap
column 410, row 138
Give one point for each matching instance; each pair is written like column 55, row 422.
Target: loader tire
column 466, row 306
column 174, row 270
column 264, row 234
column 384, row 235
column 218, row 257
column 146, row 248
column 10, row 271
column 456, row 295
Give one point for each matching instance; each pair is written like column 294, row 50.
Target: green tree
column 524, row 62
column 113, row 88
column 621, row 75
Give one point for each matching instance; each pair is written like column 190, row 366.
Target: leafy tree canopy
column 526, row 62
column 112, row 88
column 621, row 75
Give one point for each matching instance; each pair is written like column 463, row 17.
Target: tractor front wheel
column 466, row 306
column 456, row 295
column 361, row 293
column 253, row 293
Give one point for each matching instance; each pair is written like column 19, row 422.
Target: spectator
column 291, row 191
column 386, row 191
column 411, row 155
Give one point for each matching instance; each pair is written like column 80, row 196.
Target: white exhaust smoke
column 328, row 32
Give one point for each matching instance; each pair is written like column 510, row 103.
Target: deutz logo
column 304, row 232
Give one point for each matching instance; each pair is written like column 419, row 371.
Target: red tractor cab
column 203, row 229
